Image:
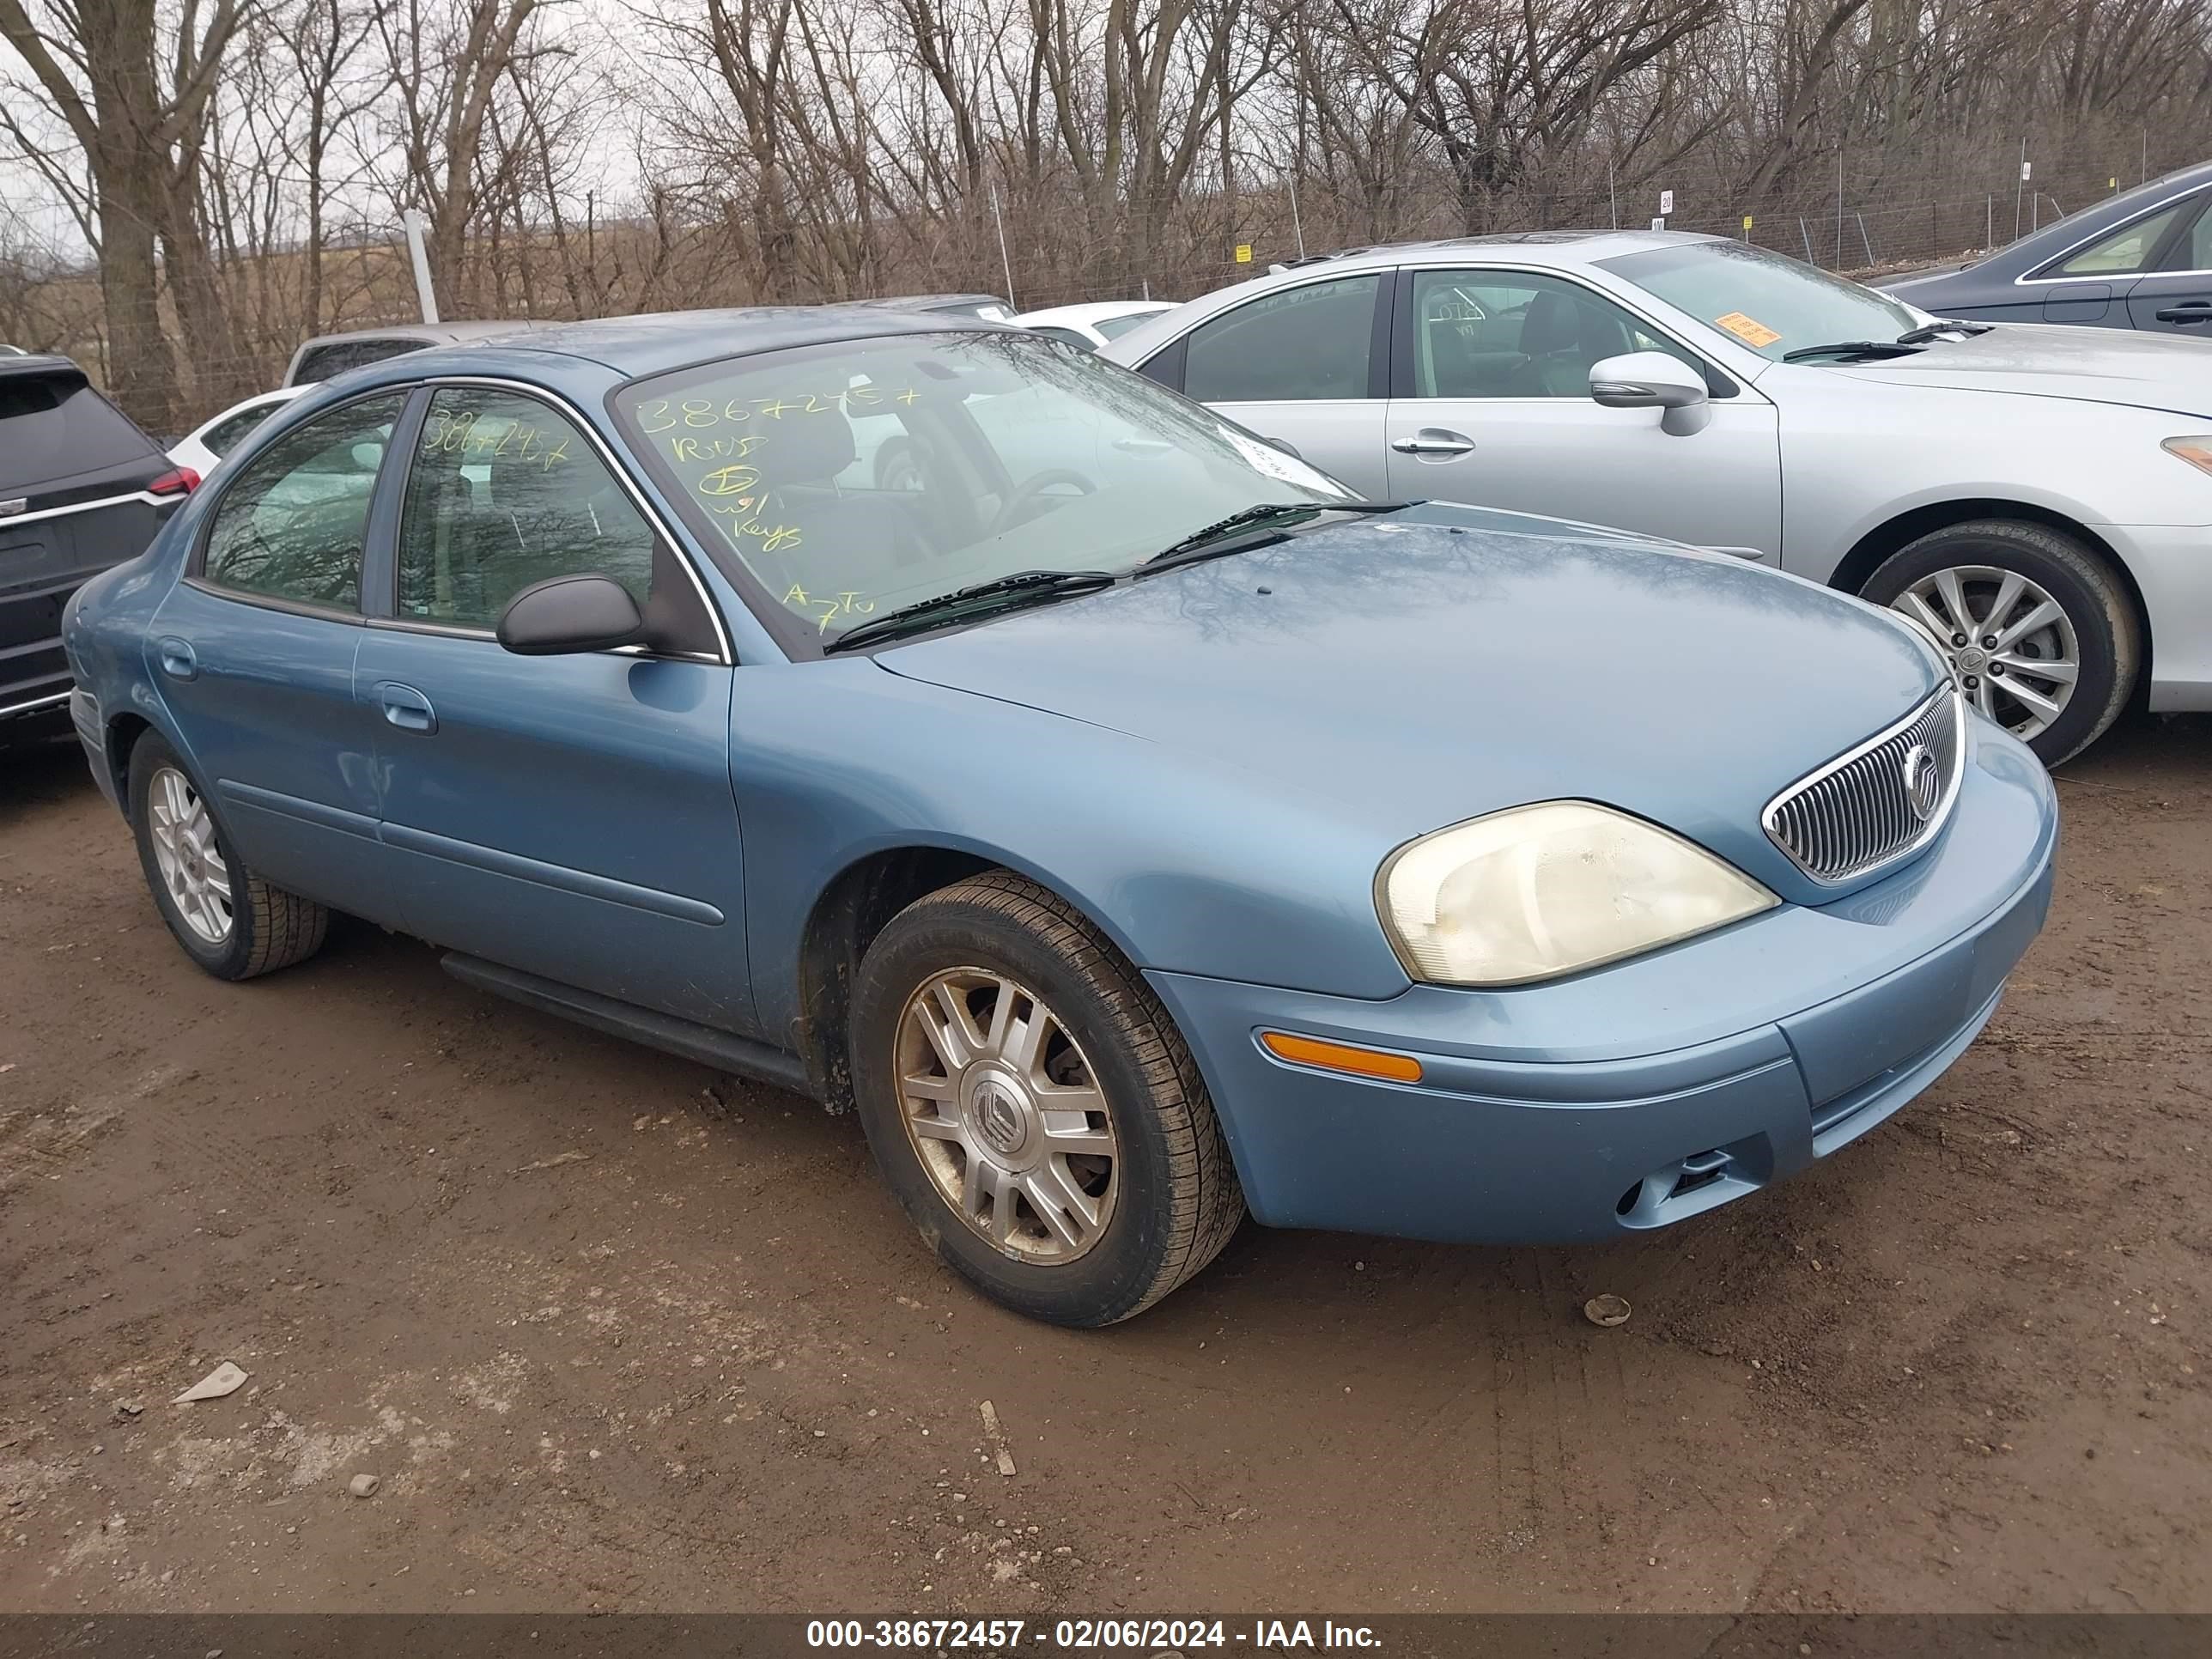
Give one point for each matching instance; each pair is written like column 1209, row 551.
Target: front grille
column 1859, row 812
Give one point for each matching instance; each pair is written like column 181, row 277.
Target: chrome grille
column 1858, row 813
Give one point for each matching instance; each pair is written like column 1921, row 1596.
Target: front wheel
column 1033, row 1108
column 2037, row 629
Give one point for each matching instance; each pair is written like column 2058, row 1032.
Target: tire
column 263, row 928
column 1153, row 1214
column 1982, row 555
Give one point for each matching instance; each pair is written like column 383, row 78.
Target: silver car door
column 1490, row 405
column 1304, row 367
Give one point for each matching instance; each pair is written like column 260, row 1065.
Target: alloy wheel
column 1006, row 1115
column 188, row 855
column 2010, row 646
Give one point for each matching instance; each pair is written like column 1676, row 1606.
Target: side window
column 2194, row 251
column 505, row 492
column 2127, row 249
column 1299, row 344
column 324, row 361
column 289, row 526
column 1518, row 334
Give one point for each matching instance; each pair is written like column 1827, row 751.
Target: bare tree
column 134, row 96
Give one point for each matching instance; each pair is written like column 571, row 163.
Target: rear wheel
column 2037, row 629
column 230, row 921
column 1034, row 1109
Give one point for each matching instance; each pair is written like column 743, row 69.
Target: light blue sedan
column 1132, row 841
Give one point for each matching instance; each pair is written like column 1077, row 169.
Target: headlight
column 1537, row 891
column 2197, row 451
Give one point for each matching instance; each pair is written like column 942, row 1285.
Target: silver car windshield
column 1765, row 301
column 848, row 481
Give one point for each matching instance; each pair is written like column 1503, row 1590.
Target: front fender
column 1186, row 868
column 1855, row 457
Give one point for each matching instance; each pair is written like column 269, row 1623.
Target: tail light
column 182, row 482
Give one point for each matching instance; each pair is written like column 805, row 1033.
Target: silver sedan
column 2039, row 500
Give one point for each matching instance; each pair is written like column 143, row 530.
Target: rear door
column 253, row 651
column 1306, row 366
column 2177, row 296
column 76, row 497
column 1490, row 405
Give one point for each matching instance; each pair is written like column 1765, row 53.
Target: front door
column 254, row 651
column 1490, row 406
column 568, row 815
column 1301, row 367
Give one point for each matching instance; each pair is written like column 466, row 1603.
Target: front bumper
column 1635, row 1096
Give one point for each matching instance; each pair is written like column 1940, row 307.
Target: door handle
column 406, row 707
column 1434, row 440
column 2188, row 311
column 177, row 658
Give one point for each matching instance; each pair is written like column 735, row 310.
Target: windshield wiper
column 1937, row 330
column 1903, row 348
column 1212, row 540
column 1002, row 593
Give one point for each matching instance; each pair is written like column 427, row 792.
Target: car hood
column 2042, row 360
column 1407, row 672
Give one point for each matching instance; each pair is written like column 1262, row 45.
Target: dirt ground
column 615, row 1333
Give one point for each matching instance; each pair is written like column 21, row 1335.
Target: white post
column 1839, row 205
column 1612, row 197
column 413, row 221
column 1005, row 263
column 1297, row 230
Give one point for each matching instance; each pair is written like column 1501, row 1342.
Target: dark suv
column 81, row 489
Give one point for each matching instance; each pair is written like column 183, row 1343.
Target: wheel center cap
column 999, row 1114
column 1972, row 658
column 1002, row 1124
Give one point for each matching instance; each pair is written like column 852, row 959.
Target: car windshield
column 1765, row 301
column 853, row 479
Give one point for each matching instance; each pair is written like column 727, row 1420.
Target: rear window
column 54, row 426
column 1115, row 328
column 323, row 361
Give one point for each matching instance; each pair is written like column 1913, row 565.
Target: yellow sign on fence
column 1243, row 254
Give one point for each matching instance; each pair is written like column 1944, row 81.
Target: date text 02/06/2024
column 1148, row 1636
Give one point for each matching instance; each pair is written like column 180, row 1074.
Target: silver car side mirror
column 1652, row 380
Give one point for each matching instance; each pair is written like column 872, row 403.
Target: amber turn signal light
column 1341, row 1057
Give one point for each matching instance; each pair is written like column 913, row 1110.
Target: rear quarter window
column 323, row 362
column 54, row 426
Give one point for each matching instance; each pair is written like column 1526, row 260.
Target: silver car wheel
column 2011, row 646
column 1006, row 1114
column 189, row 857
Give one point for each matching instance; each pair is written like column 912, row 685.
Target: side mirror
column 368, row 455
column 1652, row 380
column 1285, row 445
column 567, row 615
